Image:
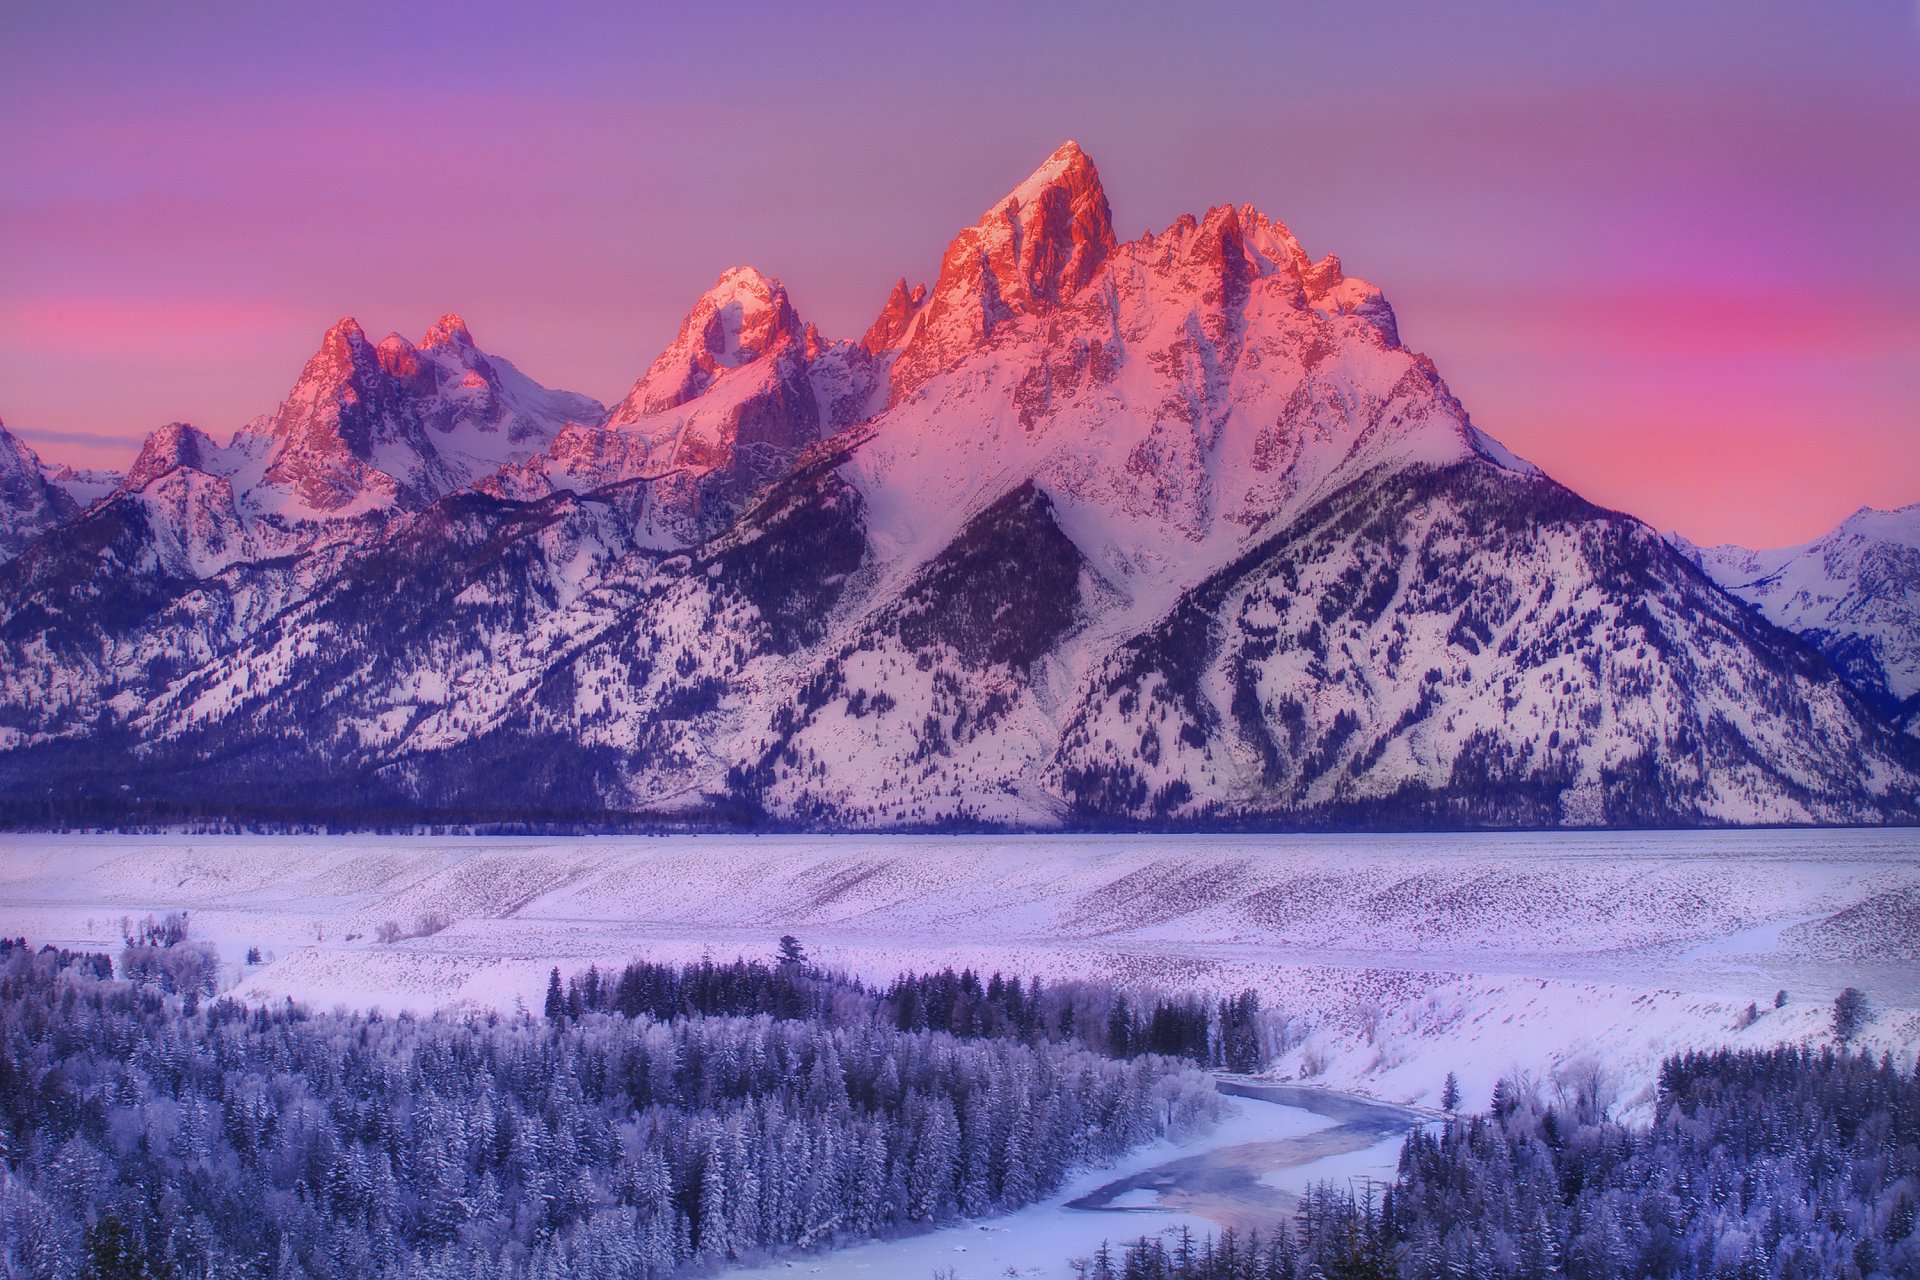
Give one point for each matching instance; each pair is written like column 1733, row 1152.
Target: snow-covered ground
column 1398, row 958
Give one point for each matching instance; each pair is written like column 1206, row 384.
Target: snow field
column 1387, row 961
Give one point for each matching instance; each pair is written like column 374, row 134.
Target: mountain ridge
column 1172, row 531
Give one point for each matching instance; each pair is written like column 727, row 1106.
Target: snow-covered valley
column 1395, row 959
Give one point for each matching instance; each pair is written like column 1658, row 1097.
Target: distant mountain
column 1853, row 594
column 1092, row 532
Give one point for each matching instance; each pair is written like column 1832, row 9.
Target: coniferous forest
column 672, row 1117
column 669, row 1116
column 1789, row 1164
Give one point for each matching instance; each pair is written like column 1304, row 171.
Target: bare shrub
column 425, row 925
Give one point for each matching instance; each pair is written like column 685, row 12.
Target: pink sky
column 1669, row 256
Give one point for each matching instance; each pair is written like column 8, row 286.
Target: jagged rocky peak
column 1040, row 243
column 1034, row 250
column 447, row 353
column 344, row 377
column 1038, row 251
column 889, row 328
column 344, row 355
column 1272, row 242
column 448, row 331
column 397, row 424
column 1053, row 231
column 742, row 390
column 1215, row 248
column 399, row 357
column 1231, row 247
column 743, row 318
column 178, row 444
column 342, row 348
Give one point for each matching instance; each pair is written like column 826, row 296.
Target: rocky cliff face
column 1167, row 530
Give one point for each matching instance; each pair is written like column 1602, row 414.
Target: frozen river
column 1245, row 1173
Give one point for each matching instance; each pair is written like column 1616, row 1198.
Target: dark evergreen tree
column 1849, row 1013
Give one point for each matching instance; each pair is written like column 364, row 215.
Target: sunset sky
column 1668, row 251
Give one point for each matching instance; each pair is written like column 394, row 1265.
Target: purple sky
column 1667, row 251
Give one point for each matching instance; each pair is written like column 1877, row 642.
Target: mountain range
column 1172, row 531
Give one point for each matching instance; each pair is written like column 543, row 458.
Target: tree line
column 1231, row 1033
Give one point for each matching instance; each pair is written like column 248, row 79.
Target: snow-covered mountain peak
column 1271, row 243
column 398, row 356
column 1068, row 165
column 344, row 351
column 1203, row 382
column 343, row 342
column 744, row 388
column 744, row 318
column 1056, row 226
column 1056, row 223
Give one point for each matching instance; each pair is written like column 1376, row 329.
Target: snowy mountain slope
column 1171, row 530
column 934, row 709
column 30, row 503
column 457, row 609
column 492, row 650
column 1852, row 593
column 97, row 619
column 1468, row 644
